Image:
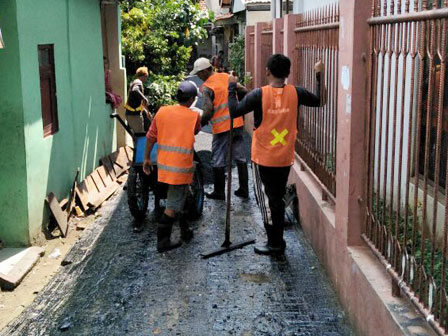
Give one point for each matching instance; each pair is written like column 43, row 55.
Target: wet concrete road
column 118, row 285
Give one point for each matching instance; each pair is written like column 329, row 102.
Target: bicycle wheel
column 138, row 193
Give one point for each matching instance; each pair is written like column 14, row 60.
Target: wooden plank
column 119, row 170
column 59, row 215
column 78, row 211
column 129, row 153
column 71, row 203
column 123, row 178
column 105, row 177
column 109, row 191
column 21, row 263
column 109, row 167
column 98, row 180
column 122, row 159
column 92, row 185
column 82, row 193
column 113, row 157
column 63, row 203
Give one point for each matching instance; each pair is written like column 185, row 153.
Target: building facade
column 54, row 117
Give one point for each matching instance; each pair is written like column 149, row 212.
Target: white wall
column 301, row 6
column 238, row 6
column 257, row 16
column 213, row 5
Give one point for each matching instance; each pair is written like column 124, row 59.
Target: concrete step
column 15, row 263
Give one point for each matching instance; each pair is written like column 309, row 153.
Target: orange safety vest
column 219, row 83
column 273, row 141
column 175, row 141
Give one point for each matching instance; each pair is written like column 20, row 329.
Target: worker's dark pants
column 270, row 187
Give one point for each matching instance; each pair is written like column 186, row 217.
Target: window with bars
column 48, row 89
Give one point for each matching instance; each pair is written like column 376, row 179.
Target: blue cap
column 187, row 89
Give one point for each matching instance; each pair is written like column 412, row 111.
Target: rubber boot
column 275, row 243
column 243, row 178
column 137, row 226
column 164, row 228
column 186, row 233
column 219, row 179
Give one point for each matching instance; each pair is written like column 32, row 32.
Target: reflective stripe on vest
column 175, row 169
column 220, row 107
column 273, row 141
column 175, row 141
column 175, row 149
column 224, row 118
column 219, row 83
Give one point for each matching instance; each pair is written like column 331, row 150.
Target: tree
column 236, row 56
column 161, row 33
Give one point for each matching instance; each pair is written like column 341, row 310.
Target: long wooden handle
column 229, row 184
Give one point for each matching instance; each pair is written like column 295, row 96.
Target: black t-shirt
column 135, row 94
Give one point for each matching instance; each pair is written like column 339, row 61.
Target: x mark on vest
column 279, row 137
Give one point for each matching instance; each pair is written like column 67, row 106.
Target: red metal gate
column 406, row 207
column 317, row 38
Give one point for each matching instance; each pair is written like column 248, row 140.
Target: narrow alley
column 116, row 283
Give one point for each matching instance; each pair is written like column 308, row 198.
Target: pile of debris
column 88, row 195
column 85, row 197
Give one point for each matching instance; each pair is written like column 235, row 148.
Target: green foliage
column 381, row 209
column 162, row 91
column 160, row 34
column 236, row 56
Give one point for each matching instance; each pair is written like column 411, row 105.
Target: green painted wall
column 86, row 133
column 13, row 187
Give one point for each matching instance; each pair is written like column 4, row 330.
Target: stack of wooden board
column 104, row 181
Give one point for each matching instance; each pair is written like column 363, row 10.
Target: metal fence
column 406, row 207
column 317, row 38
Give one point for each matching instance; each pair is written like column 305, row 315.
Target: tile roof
column 223, row 16
column 256, row 1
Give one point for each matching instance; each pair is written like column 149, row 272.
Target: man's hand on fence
column 319, row 66
column 233, row 79
column 320, row 72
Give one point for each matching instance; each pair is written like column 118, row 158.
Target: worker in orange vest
column 275, row 108
column 215, row 109
column 174, row 128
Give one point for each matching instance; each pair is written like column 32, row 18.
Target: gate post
column 289, row 42
column 351, row 118
column 277, row 26
column 249, row 56
column 258, row 66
